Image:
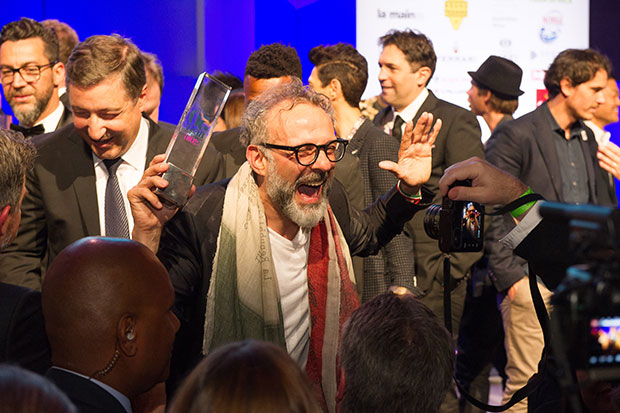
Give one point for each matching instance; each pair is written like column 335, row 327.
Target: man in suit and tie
column 22, row 333
column 340, row 72
column 31, row 72
column 108, row 314
column 407, row 64
column 552, row 151
column 81, row 177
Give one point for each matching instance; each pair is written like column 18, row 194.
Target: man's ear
column 566, row 87
column 424, row 74
column 126, row 335
column 142, row 98
column 487, row 96
column 4, row 216
column 335, row 89
column 257, row 159
column 58, row 73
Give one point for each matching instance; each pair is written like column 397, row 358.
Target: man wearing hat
column 494, row 95
column 494, row 92
column 554, row 153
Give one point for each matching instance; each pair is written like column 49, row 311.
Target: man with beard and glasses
column 267, row 254
column 30, row 73
column 79, row 183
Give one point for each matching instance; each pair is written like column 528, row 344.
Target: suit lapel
column 158, row 142
column 546, row 145
column 589, row 147
column 84, row 184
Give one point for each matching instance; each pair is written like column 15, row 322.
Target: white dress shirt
column 50, row 122
column 408, row 113
column 129, row 173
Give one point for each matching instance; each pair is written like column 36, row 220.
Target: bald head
column 100, row 296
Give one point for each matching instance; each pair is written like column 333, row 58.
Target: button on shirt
column 128, row 173
column 573, row 170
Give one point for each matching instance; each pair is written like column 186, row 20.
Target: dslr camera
column 458, row 225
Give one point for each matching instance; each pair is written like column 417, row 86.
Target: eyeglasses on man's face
column 308, row 153
column 29, row 72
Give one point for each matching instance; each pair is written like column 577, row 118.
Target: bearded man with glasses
column 30, row 74
column 267, row 254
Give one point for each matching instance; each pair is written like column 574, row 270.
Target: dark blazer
column 525, row 148
column 228, row 144
column 189, row 242
column 458, row 139
column 22, row 331
column 67, row 117
column 61, row 204
column 87, row 396
column 394, row 263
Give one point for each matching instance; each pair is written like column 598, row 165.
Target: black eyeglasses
column 30, row 72
column 308, row 153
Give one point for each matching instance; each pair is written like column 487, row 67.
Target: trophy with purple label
column 191, row 137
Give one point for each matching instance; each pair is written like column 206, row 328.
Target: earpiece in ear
column 130, row 335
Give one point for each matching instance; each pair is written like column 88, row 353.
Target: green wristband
column 525, row 207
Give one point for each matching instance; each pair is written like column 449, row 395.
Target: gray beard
column 282, row 194
column 29, row 117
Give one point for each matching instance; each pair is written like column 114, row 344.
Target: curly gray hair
column 254, row 121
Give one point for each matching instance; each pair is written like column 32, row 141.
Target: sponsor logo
column 456, row 11
column 551, row 29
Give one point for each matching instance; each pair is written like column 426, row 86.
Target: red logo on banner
column 541, row 96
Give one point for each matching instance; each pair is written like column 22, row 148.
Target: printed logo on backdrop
column 541, row 96
column 456, row 11
column 551, row 29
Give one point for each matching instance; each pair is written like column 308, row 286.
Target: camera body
column 457, row 225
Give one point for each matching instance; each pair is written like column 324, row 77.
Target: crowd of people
column 298, row 276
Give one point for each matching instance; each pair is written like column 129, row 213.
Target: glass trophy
column 191, row 137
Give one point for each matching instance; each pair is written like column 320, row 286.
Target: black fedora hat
column 501, row 76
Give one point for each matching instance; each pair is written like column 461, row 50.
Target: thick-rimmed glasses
column 308, row 153
column 30, row 72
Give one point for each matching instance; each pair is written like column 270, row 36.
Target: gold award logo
column 456, row 10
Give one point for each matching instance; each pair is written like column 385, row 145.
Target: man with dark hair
column 67, row 40
column 494, row 92
column 340, row 72
column 396, row 356
column 269, row 66
column 22, row 333
column 407, row 64
column 81, row 177
column 552, row 151
column 266, row 255
column 154, row 85
column 107, row 305
column 30, row 72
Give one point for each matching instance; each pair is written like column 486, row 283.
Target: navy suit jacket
column 22, row 331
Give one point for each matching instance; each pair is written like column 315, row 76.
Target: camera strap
column 525, row 199
column 536, row 379
column 541, row 313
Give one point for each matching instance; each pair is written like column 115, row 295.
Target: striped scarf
column 243, row 301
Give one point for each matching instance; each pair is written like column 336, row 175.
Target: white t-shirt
column 290, row 259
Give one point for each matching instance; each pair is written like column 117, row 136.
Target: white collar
column 122, row 399
column 409, row 112
column 601, row 135
column 136, row 154
column 51, row 121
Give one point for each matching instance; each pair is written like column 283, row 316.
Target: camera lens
column 431, row 221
